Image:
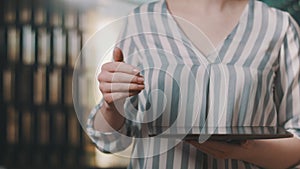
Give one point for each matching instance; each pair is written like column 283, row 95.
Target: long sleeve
column 287, row 86
column 108, row 142
column 111, row 142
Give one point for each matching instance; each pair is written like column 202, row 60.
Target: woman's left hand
column 224, row 150
column 270, row 153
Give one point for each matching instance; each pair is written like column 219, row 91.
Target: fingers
column 203, row 145
column 220, row 145
column 113, row 97
column 209, row 150
column 120, row 67
column 116, row 86
column 118, row 55
column 119, row 78
column 120, row 87
column 218, row 149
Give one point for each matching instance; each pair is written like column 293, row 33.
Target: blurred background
column 40, row 41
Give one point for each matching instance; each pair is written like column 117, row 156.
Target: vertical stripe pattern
column 254, row 81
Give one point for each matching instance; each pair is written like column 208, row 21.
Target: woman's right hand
column 119, row 80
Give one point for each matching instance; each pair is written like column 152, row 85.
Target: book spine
column 9, row 15
column 59, row 47
column 40, row 86
column 74, row 45
column 55, row 83
column 26, row 127
column 43, row 46
column 73, row 130
column 28, row 45
column 68, row 87
column 13, row 44
column 43, row 123
column 40, row 16
column 7, row 90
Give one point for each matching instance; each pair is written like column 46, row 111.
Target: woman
column 255, row 65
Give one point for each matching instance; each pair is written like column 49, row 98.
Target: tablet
column 234, row 133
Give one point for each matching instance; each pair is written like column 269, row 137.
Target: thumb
column 118, row 55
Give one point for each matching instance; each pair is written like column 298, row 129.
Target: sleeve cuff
column 107, row 141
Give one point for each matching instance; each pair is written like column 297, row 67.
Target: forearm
column 108, row 119
column 279, row 153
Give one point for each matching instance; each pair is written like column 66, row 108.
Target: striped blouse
column 252, row 78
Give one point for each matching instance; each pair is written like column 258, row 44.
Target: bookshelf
column 39, row 43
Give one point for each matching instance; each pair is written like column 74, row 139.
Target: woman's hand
column 270, row 153
column 224, row 150
column 119, row 80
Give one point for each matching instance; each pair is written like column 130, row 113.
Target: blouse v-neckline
column 212, row 56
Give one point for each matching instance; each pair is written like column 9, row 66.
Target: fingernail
column 136, row 71
column 140, row 80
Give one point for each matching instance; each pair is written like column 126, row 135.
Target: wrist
column 106, row 107
column 108, row 120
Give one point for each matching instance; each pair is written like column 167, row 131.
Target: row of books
column 42, row 128
column 37, row 86
column 48, row 13
column 46, row 158
column 41, row 138
column 40, row 46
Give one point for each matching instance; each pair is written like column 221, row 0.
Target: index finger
column 120, row 67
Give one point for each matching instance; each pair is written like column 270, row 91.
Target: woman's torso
column 233, row 86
